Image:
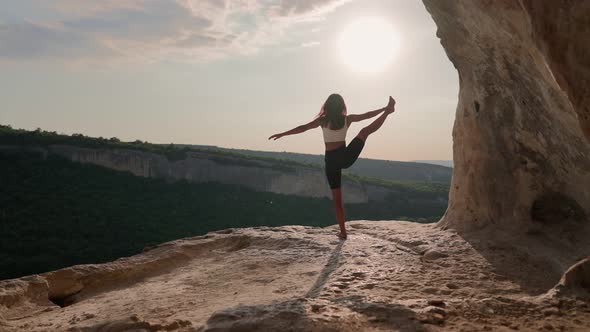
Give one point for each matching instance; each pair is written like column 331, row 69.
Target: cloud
column 310, row 44
column 91, row 7
column 150, row 30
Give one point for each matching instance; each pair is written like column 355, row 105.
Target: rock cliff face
column 522, row 121
column 267, row 175
column 204, row 167
column 562, row 32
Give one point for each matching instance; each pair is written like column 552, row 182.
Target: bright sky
column 226, row 73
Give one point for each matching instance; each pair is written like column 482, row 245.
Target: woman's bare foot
column 390, row 108
column 342, row 236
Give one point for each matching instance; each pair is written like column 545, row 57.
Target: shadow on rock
column 328, row 269
column 311, row 313
column 343, row 315
column 535, row 259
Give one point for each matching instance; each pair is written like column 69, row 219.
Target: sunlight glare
column 368, row 45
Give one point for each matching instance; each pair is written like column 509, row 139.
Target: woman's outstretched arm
column 360, row 117
column 298, row 130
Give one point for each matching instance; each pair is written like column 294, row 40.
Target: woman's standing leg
column 334, row 175
column 337, row 195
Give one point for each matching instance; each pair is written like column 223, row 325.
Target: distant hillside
column 200, row 165
column 446, row 163
column 422, row 171
column 397, row 171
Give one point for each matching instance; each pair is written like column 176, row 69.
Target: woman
column 335, row 122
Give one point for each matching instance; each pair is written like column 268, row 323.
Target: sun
column 368, row 45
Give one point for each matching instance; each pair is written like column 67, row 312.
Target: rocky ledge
column 388, row 275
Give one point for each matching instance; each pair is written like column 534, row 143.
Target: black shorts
column 342, row 157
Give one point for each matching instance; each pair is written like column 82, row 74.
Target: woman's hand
column 276, row 136
column 390, row 108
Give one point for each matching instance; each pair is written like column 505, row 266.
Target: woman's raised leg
column 353, row 150
column 373, row 127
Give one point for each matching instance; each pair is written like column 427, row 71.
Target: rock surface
column 524, row 74
column 575, row 281
column 386, row 276
column 561, row 30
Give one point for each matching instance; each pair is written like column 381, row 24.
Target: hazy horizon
column 223, row 74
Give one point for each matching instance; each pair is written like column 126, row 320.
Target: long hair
column 333, row 112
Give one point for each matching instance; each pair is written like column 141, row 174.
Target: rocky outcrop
column 575, row 281
column 522, row 120
column 386, row 276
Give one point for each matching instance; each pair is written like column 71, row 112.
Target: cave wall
column 561, row 30
column 521, row 144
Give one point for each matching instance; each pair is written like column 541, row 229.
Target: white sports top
column 338, row 135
